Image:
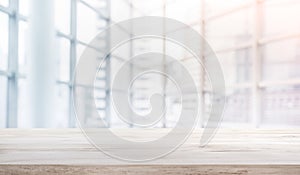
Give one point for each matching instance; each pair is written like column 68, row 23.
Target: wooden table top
column 67, row 151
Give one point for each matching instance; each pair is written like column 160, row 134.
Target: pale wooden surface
column 66, row 151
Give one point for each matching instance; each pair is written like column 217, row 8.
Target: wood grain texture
column 67, row 151
column 150, row 169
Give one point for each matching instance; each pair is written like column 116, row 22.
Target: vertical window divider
column 12, row 85
column 256, row 71
column 73, row 58
column 202, row 69
column 108, row 69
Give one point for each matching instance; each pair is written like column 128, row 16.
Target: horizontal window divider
column 9, row 74
column 185, row 58
column 185, row 27
column 290, row 82
column 274, row 3
column 113, row 23
column 129, row 3
column 90, row 46
column 94, row 9
column 68, row 83
column 63, row 82
column 230, row 49
column 270, row 39
column 121, row 59
column 239, row 86
column 82, row 86
column 100, row 78
column 119, row 90
column 6, row 10
column 4, row 73
column 23, row 18
column 9, row 12
column 99, row 88
column 63, row 35
column 100, row 98
column 168, row 93
column 287, row 61
column 20, row 75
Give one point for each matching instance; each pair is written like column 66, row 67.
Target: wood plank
column 32, row 151
column 151, row 169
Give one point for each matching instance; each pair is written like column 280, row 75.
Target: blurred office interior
column 256, row 41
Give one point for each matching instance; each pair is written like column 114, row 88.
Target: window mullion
column 12, row 94
column 73, row 58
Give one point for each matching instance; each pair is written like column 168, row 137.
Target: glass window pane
column 63, row 95
column 89, row 23
column 63, row 15
column 79, row 51
column 217, row 6
column 281, row 18
column 221, row 35
column 120, row 11
column 193, row 67
column 23, row 120
column 4, row 3
column 3, row 41
column 3, row 101
column 281, row 60
column 238, row 106
column 62, row 99
column 24, row 7
column 147, row 7
column 23, row 46
column 185, row 11
column 197, row 27
column 236, row 66
column 281, row 106
column 64, row 59
column 85, row 108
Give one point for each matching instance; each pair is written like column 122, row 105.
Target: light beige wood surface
column 67, row 151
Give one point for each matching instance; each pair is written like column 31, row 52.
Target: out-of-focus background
column 257, row 43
